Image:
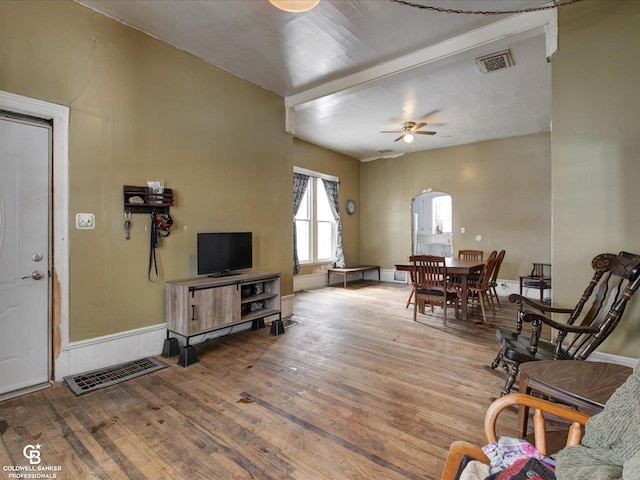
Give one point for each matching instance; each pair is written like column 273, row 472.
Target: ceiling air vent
column 495, row 61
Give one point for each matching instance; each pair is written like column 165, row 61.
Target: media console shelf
column 202, row 305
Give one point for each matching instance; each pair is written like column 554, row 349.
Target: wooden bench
column 347, row 270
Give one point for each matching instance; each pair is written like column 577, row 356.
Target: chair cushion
column 517, row 350
column 506, row 333
column 434, row 292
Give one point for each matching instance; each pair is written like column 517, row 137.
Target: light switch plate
column 85, row 221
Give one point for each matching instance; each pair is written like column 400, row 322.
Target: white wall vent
column 495, row 61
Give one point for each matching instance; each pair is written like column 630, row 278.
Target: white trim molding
column 546, row 20
column 109, row 350
column 314, row 174
column 613, row 358
column 59, row 115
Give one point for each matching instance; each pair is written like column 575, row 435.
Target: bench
column 347, row 270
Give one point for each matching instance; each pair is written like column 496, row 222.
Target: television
column 221, row 253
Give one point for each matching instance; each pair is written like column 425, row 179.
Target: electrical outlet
column 85, row 221
column 503, row 285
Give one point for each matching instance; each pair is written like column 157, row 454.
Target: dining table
column 458, row 269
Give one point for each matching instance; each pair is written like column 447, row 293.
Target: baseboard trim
column 309, row 281
column 109, row 350
column 613, row 358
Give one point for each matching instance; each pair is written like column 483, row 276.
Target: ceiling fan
column 409, row 129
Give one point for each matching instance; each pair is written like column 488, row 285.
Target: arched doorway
column 432, row 224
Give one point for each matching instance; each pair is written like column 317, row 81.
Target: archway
column 432, row 224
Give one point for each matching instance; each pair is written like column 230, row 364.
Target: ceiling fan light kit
column 409, row 129
column 294, row 6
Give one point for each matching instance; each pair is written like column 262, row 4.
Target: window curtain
column 332, row 193
column 300, row 182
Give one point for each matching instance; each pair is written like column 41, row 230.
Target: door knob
column 36, row 275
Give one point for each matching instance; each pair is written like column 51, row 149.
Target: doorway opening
column 432, row 224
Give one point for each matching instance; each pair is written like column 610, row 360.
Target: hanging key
column 127, row 224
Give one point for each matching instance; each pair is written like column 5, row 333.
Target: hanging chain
column 556, row 4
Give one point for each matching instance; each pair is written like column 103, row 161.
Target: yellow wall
column 596, row 148
column 140, row 109
column 500, row 190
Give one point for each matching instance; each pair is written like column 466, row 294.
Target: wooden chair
column 431, row 285
column 493, row 281
column 616, row 278
column 413, row 285
column 470, row 254
column 539, row 278
column 478, row 289
column 541, row 407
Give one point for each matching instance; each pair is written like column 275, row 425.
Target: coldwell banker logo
column 34, row 469
column 32, row 453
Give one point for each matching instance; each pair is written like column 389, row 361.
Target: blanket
column 610, row 448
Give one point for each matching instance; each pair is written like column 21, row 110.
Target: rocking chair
column 616, row 277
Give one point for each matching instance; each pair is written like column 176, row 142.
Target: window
column 441, row 214
column 315, row 225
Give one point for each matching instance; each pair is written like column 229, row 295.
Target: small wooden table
column 456, row 267
column 346, row 271
column 583, row 384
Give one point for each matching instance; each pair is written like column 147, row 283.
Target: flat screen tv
column 221, row 253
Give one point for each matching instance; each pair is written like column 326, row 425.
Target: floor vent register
column 104, row 377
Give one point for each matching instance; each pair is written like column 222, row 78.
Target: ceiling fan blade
column 425, row 117
column 419, row 126
column 390, row 131
column 424, row 133
column 399, row 138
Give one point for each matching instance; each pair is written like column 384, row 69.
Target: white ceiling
column 345, row 52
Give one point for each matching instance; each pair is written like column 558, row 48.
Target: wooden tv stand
column 202, row 305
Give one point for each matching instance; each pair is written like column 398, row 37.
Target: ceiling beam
column 545, row 19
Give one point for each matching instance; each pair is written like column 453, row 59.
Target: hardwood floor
column 355, row 389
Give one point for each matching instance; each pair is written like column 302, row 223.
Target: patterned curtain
column 332, row 192
column 300, row 182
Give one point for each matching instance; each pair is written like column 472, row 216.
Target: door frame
column 59, row 301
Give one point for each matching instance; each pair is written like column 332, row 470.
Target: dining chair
column 470, row 254
column 493, row 282
column 411, row 280
column 479, row 287
column 431, row 285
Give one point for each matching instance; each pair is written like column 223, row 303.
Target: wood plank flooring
column 355, row 389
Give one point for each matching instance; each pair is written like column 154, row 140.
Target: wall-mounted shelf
column 143, row 200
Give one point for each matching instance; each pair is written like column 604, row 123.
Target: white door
column 24, row 255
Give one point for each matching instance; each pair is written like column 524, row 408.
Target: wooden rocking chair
column 616, row 277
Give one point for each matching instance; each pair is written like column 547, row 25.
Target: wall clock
column 350, row 207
